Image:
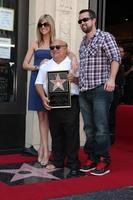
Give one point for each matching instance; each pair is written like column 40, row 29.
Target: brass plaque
column 59, row 89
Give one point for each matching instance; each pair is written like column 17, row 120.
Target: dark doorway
column 119, row 21
column 116, row 17
column 13, row 46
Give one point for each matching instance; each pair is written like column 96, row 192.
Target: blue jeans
column 95, row 105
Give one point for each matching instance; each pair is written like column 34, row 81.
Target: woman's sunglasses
column 45, row 24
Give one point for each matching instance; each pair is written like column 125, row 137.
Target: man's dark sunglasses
column 45, row 24
column 57, row 47
column 84, row 20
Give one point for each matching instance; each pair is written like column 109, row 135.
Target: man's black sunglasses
column 57, row 47
column 84, row 20
column 45, row 24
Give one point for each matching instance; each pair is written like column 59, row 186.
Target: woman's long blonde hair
column 51, row 22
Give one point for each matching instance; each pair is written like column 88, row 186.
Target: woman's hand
column 46, row 103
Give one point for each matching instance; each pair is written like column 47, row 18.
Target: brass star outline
column 31, row 171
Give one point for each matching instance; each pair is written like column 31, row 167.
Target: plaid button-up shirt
column 96, row 56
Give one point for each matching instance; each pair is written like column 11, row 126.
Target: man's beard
column 86, row 29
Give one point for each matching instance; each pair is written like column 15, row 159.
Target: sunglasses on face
column 57, row 47
column 84, row 20
column 45, row 24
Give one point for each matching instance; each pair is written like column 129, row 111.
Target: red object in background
column 124, row 127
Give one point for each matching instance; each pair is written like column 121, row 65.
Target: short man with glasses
column 99, row 63
column 63, row 122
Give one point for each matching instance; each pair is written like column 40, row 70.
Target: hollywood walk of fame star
column 26, row 171
column 58, row 83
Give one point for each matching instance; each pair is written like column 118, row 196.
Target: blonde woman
column 40, row 51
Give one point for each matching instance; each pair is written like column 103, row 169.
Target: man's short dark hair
column 91, row 13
